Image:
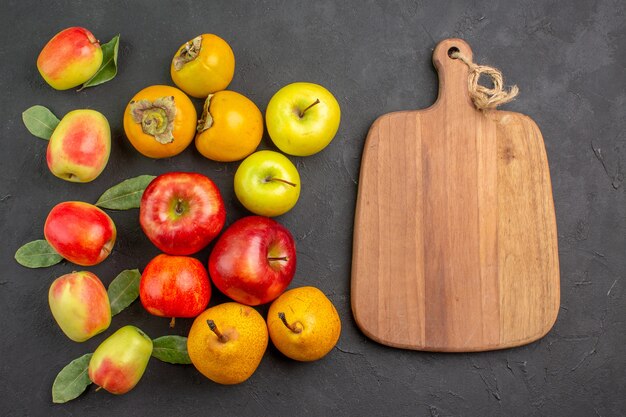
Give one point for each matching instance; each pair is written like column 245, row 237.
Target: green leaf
column 108, row 69
column 72, row 380
column 171, row 349
column 40, row 121
column 123, row 290
column 37, row 254
column 125, row 195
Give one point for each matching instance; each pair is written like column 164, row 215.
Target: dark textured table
column 568, row 58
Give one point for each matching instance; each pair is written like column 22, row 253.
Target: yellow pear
column 303, row 324
column 226, row 343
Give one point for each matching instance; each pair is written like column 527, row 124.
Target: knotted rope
column 483, row 97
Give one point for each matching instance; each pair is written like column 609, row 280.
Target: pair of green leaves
column 41, row 122
column 123, row 196
column 74, row 377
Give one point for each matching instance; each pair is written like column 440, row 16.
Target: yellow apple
column 267, row 183
column 302, row 118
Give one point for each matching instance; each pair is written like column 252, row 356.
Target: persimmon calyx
column 206, row 121
column 156, row 117
column 188, row 53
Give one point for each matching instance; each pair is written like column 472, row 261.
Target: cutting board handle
column 453, row 73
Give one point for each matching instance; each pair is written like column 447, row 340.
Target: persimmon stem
column 220, row 336
column 293, row 328
column 172, row 322
column 317, row 101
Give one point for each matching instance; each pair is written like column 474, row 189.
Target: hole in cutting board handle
column 453, row 50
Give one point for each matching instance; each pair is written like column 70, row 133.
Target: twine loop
column 483, row 97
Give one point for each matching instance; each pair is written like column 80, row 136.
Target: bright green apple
column 302, row 118
column 267, row 183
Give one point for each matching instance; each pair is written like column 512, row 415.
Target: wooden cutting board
column 455, row 242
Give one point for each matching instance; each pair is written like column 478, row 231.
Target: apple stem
column 221, row 337
column 283, row 181
column 179, row 207
column 282, row 258
column 293, row 328
column 98, row 389
column 172, row 322
column 317, row 101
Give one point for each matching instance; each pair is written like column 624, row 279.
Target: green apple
column 267, row 183
column 302, row 118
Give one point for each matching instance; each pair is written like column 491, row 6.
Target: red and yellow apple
column 70, row 58
column 80, row 232
column 80, row 305
column 254, row 260
column 119, row 362
column 181, row 212
column 174, row 286
column 80, row 145
column 302, row 118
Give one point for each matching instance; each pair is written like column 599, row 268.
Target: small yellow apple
column 302, row 118
column 303, row 324
column 267, row 183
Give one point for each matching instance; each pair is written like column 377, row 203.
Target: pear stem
column 282, row 258
column 172, row 322
column 220, row 336
column 283, row 181
column 317, row 101
column 295, row 329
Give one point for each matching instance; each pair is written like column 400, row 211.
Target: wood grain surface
column 455, row 243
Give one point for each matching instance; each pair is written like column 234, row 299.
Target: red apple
column 80, row 232
column 70, row 58
column 181, row 212
column 254, row 261
column 175, row 286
